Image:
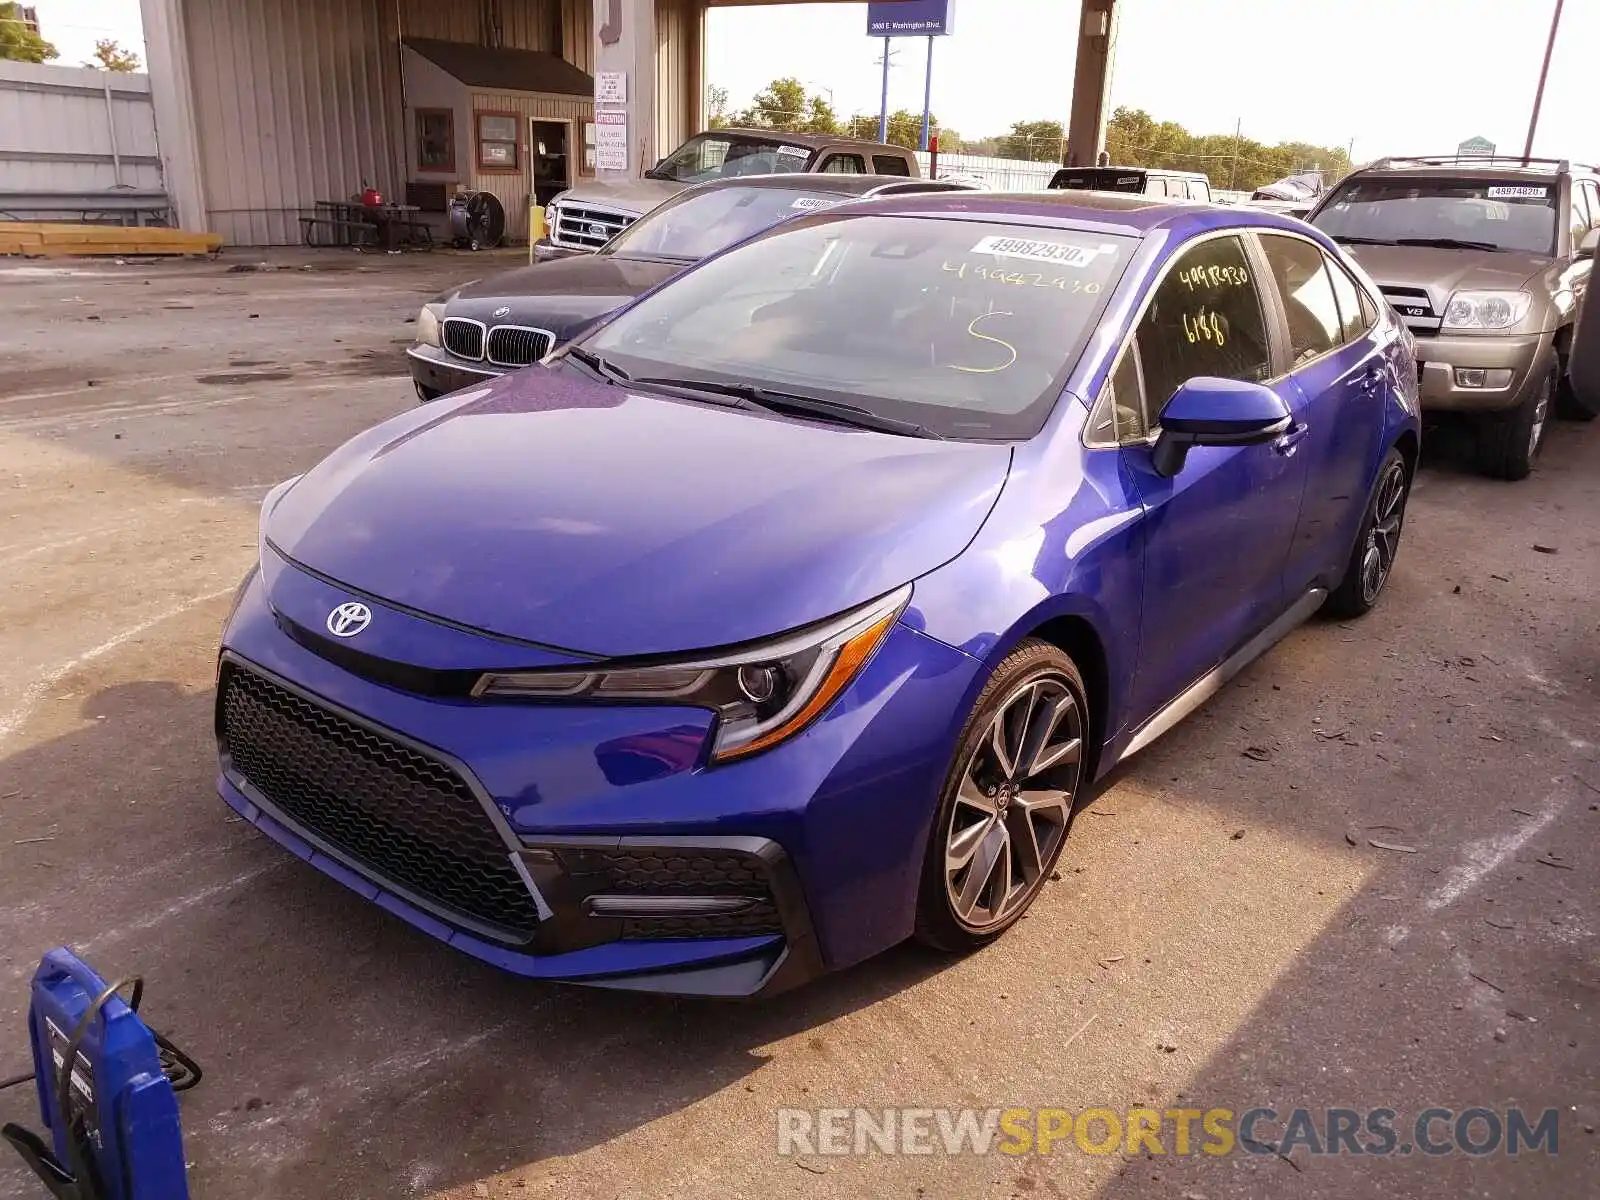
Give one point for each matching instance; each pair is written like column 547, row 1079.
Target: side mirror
column 1217, row 412
column 1589, row 244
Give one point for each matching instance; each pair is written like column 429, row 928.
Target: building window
column 436, row 139
column 497, row 141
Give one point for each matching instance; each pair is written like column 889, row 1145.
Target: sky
column 1397, row 76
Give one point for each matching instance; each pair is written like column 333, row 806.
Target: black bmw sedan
column 491, row 326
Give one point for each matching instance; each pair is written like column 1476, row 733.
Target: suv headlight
column 428, row 324
column 762, row 695
column 1486, row 310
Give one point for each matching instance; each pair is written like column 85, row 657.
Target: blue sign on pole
column 909, row 18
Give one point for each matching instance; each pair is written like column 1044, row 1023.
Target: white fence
column 1001, row 174
column 72, row 137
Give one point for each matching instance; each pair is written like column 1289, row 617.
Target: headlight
column 428, row 324
column 551, row 213
column 1486, row 310
column 762, row 695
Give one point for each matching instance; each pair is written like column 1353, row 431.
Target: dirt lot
column 1224, row 933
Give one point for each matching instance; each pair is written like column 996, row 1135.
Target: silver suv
column 1485, row 259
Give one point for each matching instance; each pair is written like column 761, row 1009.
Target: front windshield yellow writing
column 969, row 270
column 1204, row 325
column 1197, row 277
column 972, row 328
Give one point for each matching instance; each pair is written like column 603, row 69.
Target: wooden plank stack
column 35, row 239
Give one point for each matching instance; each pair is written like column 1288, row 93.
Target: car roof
column 839, row 185
column 1140, row 170
column 814, row 140
column 1110, row 212
column 1470, row 167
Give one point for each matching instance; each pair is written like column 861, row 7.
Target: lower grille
column 701, row 871
column 585, row 227
column 403, row 816
column 464, row 338
column 1415, row 308
column 518, row 346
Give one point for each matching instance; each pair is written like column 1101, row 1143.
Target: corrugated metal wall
column 679, row 41
column 299, row 100
column 56, row 132
column 512, row 190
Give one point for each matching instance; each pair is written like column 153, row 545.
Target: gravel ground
column 1224, row 932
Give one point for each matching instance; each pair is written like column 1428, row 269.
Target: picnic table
column 351, row 223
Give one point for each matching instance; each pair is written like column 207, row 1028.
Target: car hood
column 635, row 196
column 561, row 296
column 1440, row 272
column 559, row 510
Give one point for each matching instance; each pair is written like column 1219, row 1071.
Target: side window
column 1119, row 415
column 844, row 164
column 1199, row 189
column 1591, row 190
column 1308, row 296
column 1155, row 186
column 1580, row 215
column 1205, row 319
column 1349, row 297
column 889, row 164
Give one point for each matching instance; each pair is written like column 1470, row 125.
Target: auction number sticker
column 793, row 152
column 811, row 203
column 1518, row 192
column 1066, row 254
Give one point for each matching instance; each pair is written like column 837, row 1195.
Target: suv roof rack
column 1562, row 166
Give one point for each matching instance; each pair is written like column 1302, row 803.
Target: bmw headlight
column 762, row 695
column 428, row 324
column 1485, row 310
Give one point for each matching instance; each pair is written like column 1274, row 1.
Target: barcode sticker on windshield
column 1065, row 253
column 1518, row 192
column 793, row 152
column 811, row 203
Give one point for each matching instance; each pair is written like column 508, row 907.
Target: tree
column 109, row 56
column 905, row 129
column 1136, row 139
column 19, row 41
column 783, row 104
column 1037, row 141
column 716, row 108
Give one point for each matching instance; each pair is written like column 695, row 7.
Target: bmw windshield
column 708, row 156
column 701, row 223
column 1490, row 214
column 968, row 329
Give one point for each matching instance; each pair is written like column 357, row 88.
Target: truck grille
column 1415, row 309
column 463, row 337
column 518, row 345
column 587, row 226
column 401, row 816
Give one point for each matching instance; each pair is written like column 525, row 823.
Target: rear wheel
column 1509, row 442
column 1006, row 805
column 1373, row 557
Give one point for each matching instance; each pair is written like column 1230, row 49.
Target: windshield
column 966, row 328
column 1098, row 180
column 724, row 155
column 701, row 223
column 1503, row 214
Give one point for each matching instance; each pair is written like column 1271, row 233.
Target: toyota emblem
column 598, row 230
column 349, row 619
column 503, row 311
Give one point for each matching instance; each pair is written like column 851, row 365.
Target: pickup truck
column 584, row 218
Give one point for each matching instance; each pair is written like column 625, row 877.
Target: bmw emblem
column 349, row 619
column 503, row 311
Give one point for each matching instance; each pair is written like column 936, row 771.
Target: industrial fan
column 477, row 220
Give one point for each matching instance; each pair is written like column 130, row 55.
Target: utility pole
column 883, row 114
column 1233, row 179
column 1538, row 96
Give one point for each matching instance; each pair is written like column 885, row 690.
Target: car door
column 1218, row 533
column 1340, row 374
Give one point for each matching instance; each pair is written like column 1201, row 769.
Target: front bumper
column 826, row 833
column 437, row 372
column 1529, row 358
column 544, row 250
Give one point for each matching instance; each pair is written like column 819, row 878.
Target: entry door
column 1217, row 534
column 552, row 158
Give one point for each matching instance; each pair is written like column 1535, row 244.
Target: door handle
column 1287, row 444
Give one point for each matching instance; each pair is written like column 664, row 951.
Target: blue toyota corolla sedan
column 793, row 611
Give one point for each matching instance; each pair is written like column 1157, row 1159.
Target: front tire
column 1003, row 814
column 1372, row 560
column 1509, row 442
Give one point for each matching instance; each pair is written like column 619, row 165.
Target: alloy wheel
column 1383, row 539
column 1013, row 803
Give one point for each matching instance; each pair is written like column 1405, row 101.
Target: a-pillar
column 166, row 50
column 1091, row 82
column 626, row 44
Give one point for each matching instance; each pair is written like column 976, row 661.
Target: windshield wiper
column 1346, row 240
column 1445, row 243
column 600, row 366
column 792, row 402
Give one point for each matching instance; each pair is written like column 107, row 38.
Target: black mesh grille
column 408, row 818
column 513, row 347
column 463, row 338
column 690, row 872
